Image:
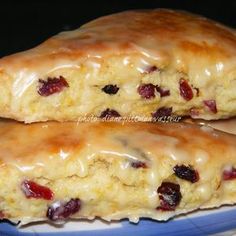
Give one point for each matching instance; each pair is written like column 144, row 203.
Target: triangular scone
column 55, row 171
column 137, row 63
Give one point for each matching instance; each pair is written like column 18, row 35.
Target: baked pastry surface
column 136, row 63
column 113, row 171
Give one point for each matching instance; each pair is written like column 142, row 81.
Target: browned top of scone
column 54, row 144
column 188, row 42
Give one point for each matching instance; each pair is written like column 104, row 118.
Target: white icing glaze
column 120, row 154
column 140, row 146
column 79, row 149
column 204, row 192
column 201, row 157
column 111, row 46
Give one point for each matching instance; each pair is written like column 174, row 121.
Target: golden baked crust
column 113, row 170
column 189, row 58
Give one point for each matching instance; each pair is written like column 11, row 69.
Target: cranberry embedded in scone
column 211, row 105
column 162, row 112
column 186, row 91
column 109, row 113
column 186, row 173
column 34, row 190
column 147, row 91
column 61, row 210
column 138, row 164
column 169, row 195
column 110, row 89
column 52, row 85
column 229, row 174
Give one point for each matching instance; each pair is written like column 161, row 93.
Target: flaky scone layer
column 113, row 171
column 135, row 63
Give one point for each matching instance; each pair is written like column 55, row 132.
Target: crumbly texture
column 115, row 170
column 111, row 64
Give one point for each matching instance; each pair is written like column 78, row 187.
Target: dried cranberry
column 211, row 104
column 162, row 111
column 187, row 173
column 61, row 211
column 169, row 195
column 52, row 85
column 229, row 174
column 163, row 92
column 185, row 90
column 109, row 113
column 147, row 91
column 110, row 89
column 34, row 190
column 151, row 69
column 138, row 164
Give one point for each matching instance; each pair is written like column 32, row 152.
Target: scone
column 113, row 171
column 145, row 63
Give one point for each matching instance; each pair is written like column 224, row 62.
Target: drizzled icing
column 58, row 152
column 115, row 48
column 30, row 147
column 153, row 37
column 153, row 34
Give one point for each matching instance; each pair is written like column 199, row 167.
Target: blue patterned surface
column 203, row 223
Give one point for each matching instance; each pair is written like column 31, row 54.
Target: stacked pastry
column 150, row 65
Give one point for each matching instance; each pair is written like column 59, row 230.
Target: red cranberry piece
column 151, row 69
column 34, row 190
column 211, row 104
column 229, row 174
column 138, row 164
column 110, row 89
column 187, row 173
column 109, row 113
column 61, row 211
column 163, row 92
column 52, row 85
column 147, row 91
column 185, row 90
column 169, row 195
column 162, row 111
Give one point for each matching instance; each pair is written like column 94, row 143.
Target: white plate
column 212, row 222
